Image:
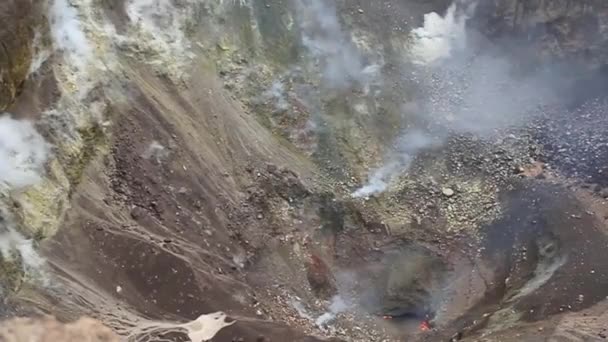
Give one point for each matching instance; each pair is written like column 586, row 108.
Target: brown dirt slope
column 151, row 224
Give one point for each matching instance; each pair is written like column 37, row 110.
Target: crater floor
column 307, row 170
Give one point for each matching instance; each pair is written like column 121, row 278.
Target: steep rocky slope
column 304, row 170
column 17, row 40
column 562, row 29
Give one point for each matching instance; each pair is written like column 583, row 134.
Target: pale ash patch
column 202, row 329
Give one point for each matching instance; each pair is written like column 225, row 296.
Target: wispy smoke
column 12, row 242
column 300, row 309
column 277, row 93
column 156, row 151
column 406, row 148
column 67, row 33
column 337, row 306
column 23, row 153
column 465, row 88
column 341, row 62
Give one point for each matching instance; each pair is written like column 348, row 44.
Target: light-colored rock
column 447, row 192
column 49, row 330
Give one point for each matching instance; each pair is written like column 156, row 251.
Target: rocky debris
column 274, row 214
column 50, row 330
column 554, row 30
column 273, row 181
column 586, row 325
column 469, row 202
column 574, row 141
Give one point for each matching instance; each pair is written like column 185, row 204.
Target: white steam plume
column 337, row 306
column 68, row 35
column 277, row 93
column 12, row 241
column 157, row 151
column 23, row 152
column 466, row 89
column 472, row 88
column 407, row 147
column 439, row 36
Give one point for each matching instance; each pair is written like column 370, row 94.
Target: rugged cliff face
column 16, row 46
column 301, row 170
column 555, row 30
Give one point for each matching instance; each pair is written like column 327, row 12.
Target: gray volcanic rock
column 48, row 329
column 563, row 29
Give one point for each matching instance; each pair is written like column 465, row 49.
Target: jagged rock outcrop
column 16, row 36
column 564, row 29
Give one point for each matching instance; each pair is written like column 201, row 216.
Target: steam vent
column 303, row 170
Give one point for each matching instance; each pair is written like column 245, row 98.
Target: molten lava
column 425, row 325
